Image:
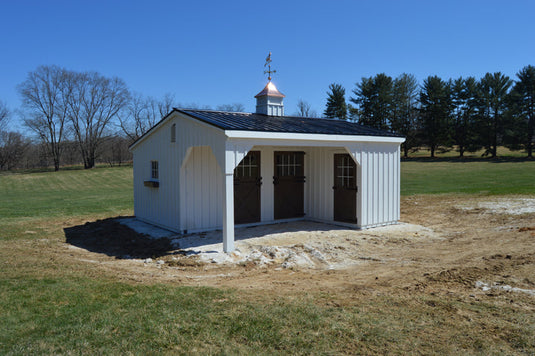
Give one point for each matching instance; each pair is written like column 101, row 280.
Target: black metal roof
column 293, row 124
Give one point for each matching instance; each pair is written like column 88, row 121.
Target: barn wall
column 266, row 189
column 319, row 171
column 379, row 180
column 267, row 167
column 318, row 199
column 162, row 206
column 202, row 191
column 157, row 205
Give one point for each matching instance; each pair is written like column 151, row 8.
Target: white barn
column 199, row 170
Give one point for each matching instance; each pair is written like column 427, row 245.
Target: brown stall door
column 289, row 188
column 247, row 182
column 345, row 188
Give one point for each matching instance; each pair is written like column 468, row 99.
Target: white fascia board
column 259, row 135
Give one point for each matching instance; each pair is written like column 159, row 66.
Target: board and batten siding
column 157, row 205
column 202, row 191
column 319, row 173
column 163, row 205
column 378, row 180
column 379, row 183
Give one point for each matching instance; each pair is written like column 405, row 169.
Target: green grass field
column 468, row 177
column 48, row 306
column 29, row 198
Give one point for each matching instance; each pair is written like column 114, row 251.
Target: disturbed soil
column 469, row 246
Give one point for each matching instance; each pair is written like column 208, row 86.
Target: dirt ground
column 469, row 246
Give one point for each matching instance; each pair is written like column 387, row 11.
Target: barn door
column 345, row 188
column 289, row 185
column 247, row 182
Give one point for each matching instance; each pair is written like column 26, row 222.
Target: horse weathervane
column 268, row 64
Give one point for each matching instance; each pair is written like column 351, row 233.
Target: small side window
column 173, row 133
column 154, row 169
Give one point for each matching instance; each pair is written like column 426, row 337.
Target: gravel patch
column 511, row 206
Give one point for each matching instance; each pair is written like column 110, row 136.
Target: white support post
column 228, row 159
column 228, row 212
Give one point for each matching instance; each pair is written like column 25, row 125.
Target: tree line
column 466, row 113
column 79, row 117
column 85, row 117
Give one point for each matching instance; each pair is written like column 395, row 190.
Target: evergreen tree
column 521, row 131
column 435, row 113
column 464, row 95
column 373, row 97
column 493, row 105
column 404, row 110
column 336, row 106
column 362, row 112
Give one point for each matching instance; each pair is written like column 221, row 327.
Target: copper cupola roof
column 270, row 90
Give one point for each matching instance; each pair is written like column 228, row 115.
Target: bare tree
column 166, row 104
column 12, row 148
column 94, row 102
column 155, row 109
column 115, row 150
column 304, row 109
column 143, row 113
column 194, row 106
column 36, row 155
column 44, row 97
column 12, row 144
column 235, row 107
column 4, row 116
column 71, row 153
column 133, row 120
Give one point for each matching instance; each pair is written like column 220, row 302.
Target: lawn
column 52, row 305
column 493, row 177
column 66, row 193
column 33, row 198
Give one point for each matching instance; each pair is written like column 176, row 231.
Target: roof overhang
column 266, row 136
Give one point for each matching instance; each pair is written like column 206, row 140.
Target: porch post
column 228, row 158
column 228, row 210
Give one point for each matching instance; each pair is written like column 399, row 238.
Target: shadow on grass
column 505, row 159
column 116, row 240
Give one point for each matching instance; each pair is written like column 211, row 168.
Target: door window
column 248, row 167
column 289, row 164
column 345, row 172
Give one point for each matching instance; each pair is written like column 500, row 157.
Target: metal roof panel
column 292, row 124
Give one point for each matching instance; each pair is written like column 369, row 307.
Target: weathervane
column 268, row 64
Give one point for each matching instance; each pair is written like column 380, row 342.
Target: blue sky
column 213, row 52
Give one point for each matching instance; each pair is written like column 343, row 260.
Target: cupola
column 269, row 100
